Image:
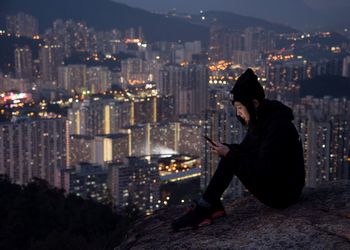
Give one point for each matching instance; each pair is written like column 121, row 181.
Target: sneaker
column 196, row 216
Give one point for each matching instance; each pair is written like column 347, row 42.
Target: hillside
column 106, row 15
column 321, row 220
column 37, row 216
column 327, row 85
column 239, row 22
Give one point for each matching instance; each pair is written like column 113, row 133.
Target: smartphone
column 209, row 140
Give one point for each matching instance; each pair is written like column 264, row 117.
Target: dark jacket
column 270, row 161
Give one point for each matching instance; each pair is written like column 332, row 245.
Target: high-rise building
column 346, row 66
column 215, row 44
column 256, row 38
column 166, row 138
column 134, row 71
column 50, row 57
column 33, row 148
column 192, row 48
column 81, row 148
column 188, row 85
column 23, row 63
column 95, row 116
column 224, row 42
column 22, row 25
column 220, row 125
column 135, row 182
column 72, row 77
column 99, row 79
column 10, row 84
column 324, row 128
column 111, row 148
column 88, row 181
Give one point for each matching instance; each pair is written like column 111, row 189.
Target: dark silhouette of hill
column 327, row 85
column 37, row 216
column 106, row 15
column 239, row 22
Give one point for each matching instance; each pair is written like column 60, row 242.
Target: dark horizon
column 311, row 13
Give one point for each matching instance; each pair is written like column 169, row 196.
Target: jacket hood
column 272, row 109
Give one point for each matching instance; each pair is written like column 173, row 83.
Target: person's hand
column 220, row 149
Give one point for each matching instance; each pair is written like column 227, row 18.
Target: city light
column 118, row 114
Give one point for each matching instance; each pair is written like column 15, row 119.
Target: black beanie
column 247, row 88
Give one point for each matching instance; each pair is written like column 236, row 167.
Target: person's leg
column 219, row 182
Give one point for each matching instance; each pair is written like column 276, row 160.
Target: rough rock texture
column 321, row 220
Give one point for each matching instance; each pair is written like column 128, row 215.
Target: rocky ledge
column 321, row 220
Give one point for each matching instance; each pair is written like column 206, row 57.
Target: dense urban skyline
column 113, row 115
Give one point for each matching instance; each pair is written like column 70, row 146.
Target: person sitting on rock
column 269, row 161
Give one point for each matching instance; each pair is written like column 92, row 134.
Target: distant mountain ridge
column 236, row 21
column 106, row 15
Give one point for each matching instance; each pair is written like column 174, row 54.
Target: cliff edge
column 321, row 220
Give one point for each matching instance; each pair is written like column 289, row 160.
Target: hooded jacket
column 269, row 161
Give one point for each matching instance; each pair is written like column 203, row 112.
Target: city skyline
column 111, row 99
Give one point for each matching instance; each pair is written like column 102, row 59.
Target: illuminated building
column 282, row 69
column 81, row 149
column 94, row 116
column 287, row 93
column 188, row 85
column 215, row 43
column 177, row 54
column 132, row 33
column 134, row 71
column 242, row 46
column 324, row 128
column 72, row 77
column 88, row 181
column 135, row 182
column 33, row 148
column 165, row 138
column 224, row 42
column 22, row 25
column 258, row 39
column 111, row 148
column 220, row 125
column 99, row 115
column 51, row 57
column 108, row 42
column 346, row 67
column 289, row 71
column 99, row 149
column 14, row 84
column 23, row 63
column 190, row 139
column 246, row 57
column 192, row 48
column 177, row 167
column 99, row 79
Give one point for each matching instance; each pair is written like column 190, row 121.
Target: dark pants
column 271, row 194
column 219, row 182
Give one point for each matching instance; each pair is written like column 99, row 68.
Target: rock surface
column 321, row 220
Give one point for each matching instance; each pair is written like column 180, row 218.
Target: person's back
column 271, row 163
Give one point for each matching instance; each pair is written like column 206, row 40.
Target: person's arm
column 263, row 158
